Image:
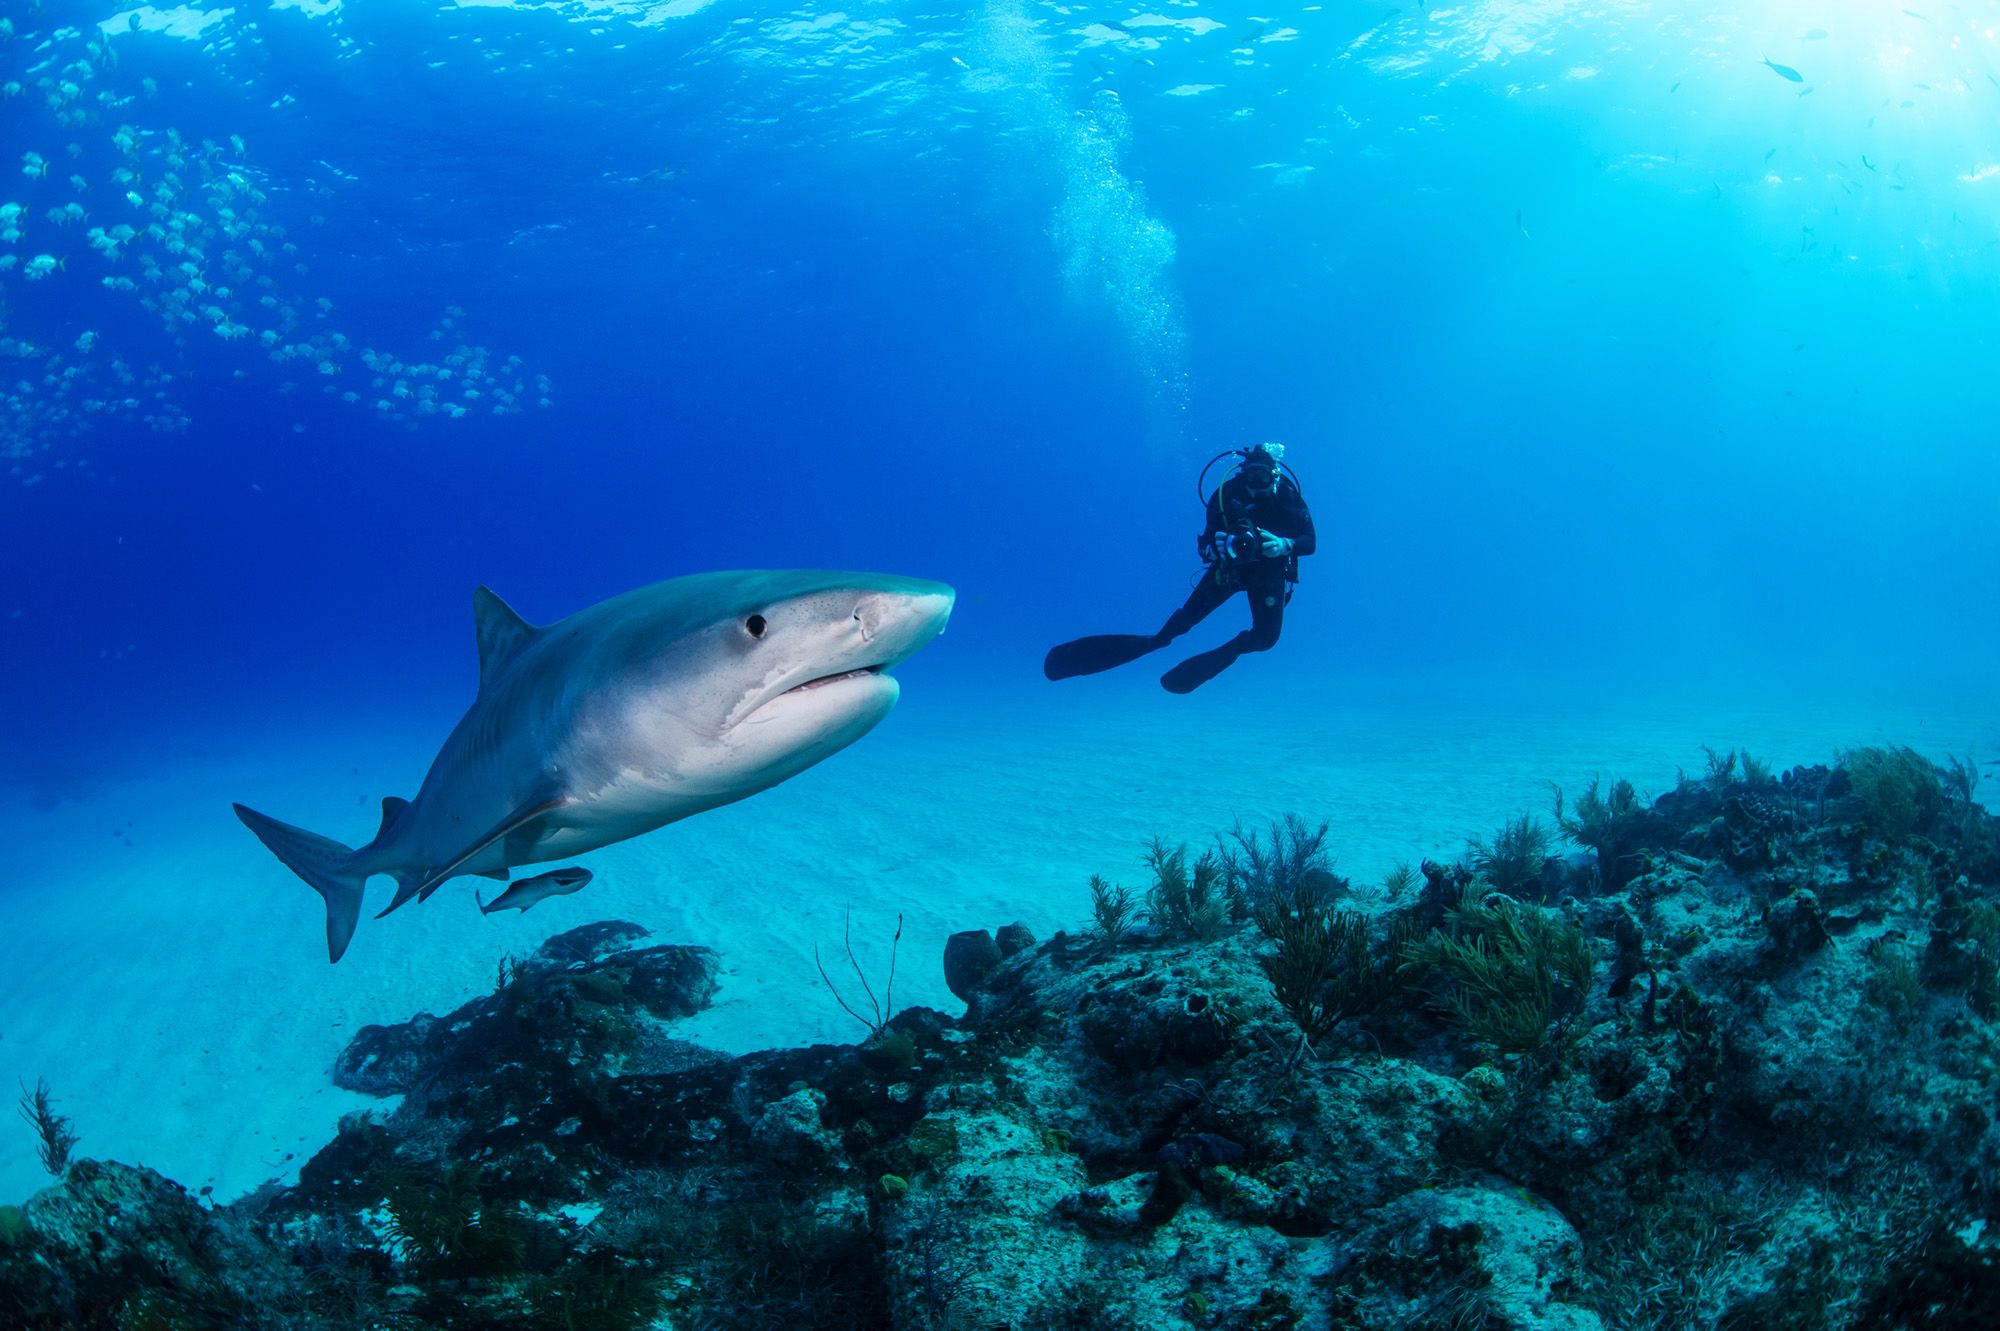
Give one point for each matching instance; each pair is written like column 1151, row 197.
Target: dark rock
column 590, row 942
column 1170, row 1192
column 575, row 996
column 1201, row 1150
column 383, row 1060
column 1197, row 1032
column 1569, row 875
column 1795, row 926
column 671, row 981
column 125, row 1238
column 1014, row 938
column 969, row 957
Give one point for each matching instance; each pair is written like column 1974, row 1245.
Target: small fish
column 1769, row 155
column 1865, row 162
column 1816, row 35
column 1675, row 88
column 1784, row 71
column 1520, row 225
column 555, row 883
column 1914, row 14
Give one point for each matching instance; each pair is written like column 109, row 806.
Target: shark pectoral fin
column 512, row 823
column 406, row 887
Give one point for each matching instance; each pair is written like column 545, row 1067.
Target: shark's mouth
column 825, row 680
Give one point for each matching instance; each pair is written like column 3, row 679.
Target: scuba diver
column 1257, row 530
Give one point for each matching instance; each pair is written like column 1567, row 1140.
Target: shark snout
column 901, row 621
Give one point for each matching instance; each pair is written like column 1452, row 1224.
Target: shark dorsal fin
column 391, row 806
column 500, row 632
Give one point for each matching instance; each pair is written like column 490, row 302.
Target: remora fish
column 1785, row 71
column 555, row 883
column 644, row 709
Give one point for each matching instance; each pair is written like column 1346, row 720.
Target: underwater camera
column 1241, row 541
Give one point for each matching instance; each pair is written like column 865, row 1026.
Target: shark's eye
column 755, row 625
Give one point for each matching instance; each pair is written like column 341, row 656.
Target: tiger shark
column 639, row 711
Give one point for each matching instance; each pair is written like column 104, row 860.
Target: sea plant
column 1111, row 910
column 1892, row 983
column 1512, row 860
column 443, row 1227
column 1262, row 867
column 1897, row 788
column 1186, row 900
column 1977, row 830
column 1982, row 926
column 1310, row 937
column 599, row 1291
column 1960, row 777
column 55, row 1139
column 14, row 1227
column 1721, row 766
column 1400, row 882
column 1508, row 973
column 879, row 1012
column 1611, row 824
column 1323, row 971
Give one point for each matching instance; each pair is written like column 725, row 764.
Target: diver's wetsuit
column 1267, row 582
column 1282, row 512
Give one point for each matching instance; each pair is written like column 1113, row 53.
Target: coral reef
column 1732, row 1067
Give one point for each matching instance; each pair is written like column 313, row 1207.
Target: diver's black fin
column 1196, row 671
column 1088, row 656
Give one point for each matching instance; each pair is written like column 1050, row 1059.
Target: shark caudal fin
column 322, row 862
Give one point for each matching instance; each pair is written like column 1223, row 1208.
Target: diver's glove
column 1274, row 547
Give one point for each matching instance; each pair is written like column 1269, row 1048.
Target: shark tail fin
column 321, row 861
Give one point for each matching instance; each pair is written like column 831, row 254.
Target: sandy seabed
column 169, row 978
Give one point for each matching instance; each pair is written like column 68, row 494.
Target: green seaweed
column 1186, row 900
column 1721, row 766
column 14, row 1227
column 600, row 1291
column 1892, row 984
column 1509, row 972
column 1111, row 910
column 444, row 1228
column 1512, row 861
column 1324, row 971
column 1982, row 926
column 55, row 1139
column 1897, row 788
column 1611, row 824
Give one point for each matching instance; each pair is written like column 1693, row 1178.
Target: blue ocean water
column 1631, row 358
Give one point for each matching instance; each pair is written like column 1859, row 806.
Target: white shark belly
column 624, row 807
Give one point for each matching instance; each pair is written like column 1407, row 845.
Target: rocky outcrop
column 1764, row 1100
